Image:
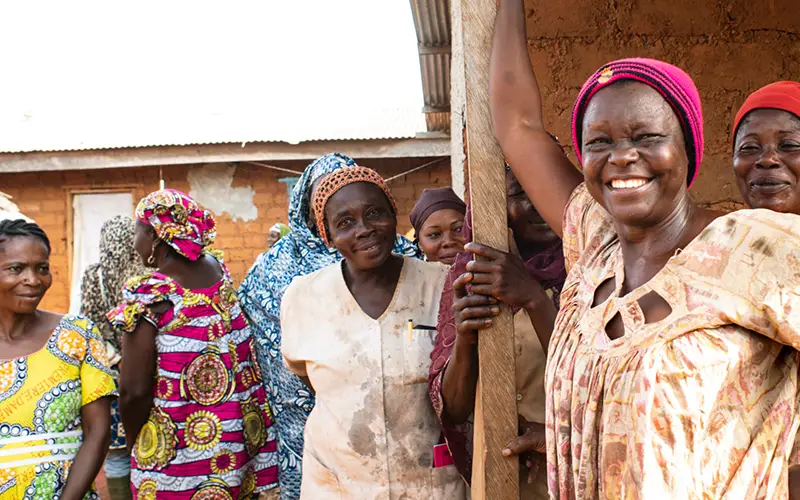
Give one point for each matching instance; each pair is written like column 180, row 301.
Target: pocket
column 417, row 348
column 447, row 484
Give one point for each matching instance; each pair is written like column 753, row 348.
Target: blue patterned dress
column 298, row 253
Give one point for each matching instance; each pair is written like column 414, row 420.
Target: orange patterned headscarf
column 336, row 181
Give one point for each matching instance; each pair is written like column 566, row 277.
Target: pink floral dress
column 208, row 434
column 704, row 403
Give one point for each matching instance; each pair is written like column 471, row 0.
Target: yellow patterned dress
column 701, row 404
column 41, row 396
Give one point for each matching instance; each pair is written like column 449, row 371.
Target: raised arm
column 540, row 165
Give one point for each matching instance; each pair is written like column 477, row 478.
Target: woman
column 298, row 253
column 438, row 218
column 191, row 396
column 359, row 333
column 55, row 383
column 766, row 148
column 672, row 369
column 276, row 232
column 101, row 291
column 529, row 280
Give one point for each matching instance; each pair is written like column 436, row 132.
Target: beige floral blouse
column 701, row 404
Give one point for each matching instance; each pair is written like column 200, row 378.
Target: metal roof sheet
column 434, row 36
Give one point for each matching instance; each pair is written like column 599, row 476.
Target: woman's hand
column 472, row 312
column 529, row 446
column 502, row 276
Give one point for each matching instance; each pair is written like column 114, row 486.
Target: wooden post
column 494, row 477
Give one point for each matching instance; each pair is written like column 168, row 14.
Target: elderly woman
column 672, row 370
column 360, row 334
column 101, row 291
column 528, row 279
column 191, row 395
column 55, row 383
column 276, row 232
column 766, row 161
column 438, row 219
column 766, row 148
column 298, row 253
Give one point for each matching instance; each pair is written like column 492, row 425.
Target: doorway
column 89, row 212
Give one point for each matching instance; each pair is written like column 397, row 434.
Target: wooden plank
column 494, row 476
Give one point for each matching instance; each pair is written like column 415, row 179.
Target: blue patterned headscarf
column 298, row 253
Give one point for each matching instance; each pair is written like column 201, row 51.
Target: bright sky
column 91, row 66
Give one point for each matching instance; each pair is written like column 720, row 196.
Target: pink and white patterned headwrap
column 178, row 221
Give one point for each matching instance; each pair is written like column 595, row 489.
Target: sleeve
column 750, row 260
column 137, row 297
column 292, row 332
column 584, row 219
column 97, row 380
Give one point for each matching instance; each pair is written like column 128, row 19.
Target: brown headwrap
column 433, row 200
column 336, row 181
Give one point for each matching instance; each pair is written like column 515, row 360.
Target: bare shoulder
column 48, row 320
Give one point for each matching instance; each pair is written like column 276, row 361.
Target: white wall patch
column 212, row 186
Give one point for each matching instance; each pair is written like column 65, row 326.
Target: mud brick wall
column 730, row 48
column 45, row 196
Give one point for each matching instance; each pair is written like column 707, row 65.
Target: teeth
column 628, row 183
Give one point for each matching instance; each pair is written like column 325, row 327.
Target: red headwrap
column 779, row 95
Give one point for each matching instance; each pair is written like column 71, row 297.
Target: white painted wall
column 212, row 186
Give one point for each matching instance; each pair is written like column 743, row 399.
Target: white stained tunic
column 372, row 432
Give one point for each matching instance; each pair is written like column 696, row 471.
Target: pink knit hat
column 670, row 81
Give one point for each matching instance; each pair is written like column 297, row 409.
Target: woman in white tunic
column 360, row 333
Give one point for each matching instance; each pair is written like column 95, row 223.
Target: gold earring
column 151, row 261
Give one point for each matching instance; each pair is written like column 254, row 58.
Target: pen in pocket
column 412, row 327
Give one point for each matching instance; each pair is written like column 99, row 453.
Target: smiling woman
column 438, row 220
column 766, row 148
column 671, row 316
column 360, row 333
column 55, row 383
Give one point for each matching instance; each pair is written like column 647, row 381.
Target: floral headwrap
column 179, row 221
column 336, row 181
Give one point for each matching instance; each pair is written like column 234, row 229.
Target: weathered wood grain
column 494, row 476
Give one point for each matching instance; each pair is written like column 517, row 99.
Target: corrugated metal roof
column 432, row 21
column 53, row 133
column 206, row 74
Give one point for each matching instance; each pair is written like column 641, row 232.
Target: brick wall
column 45, row 197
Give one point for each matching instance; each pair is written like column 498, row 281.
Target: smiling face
column 634, row 156
column 24, row 273
column 440, row 236
column 361, row 225
column 530, row 229
column 766, row 160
